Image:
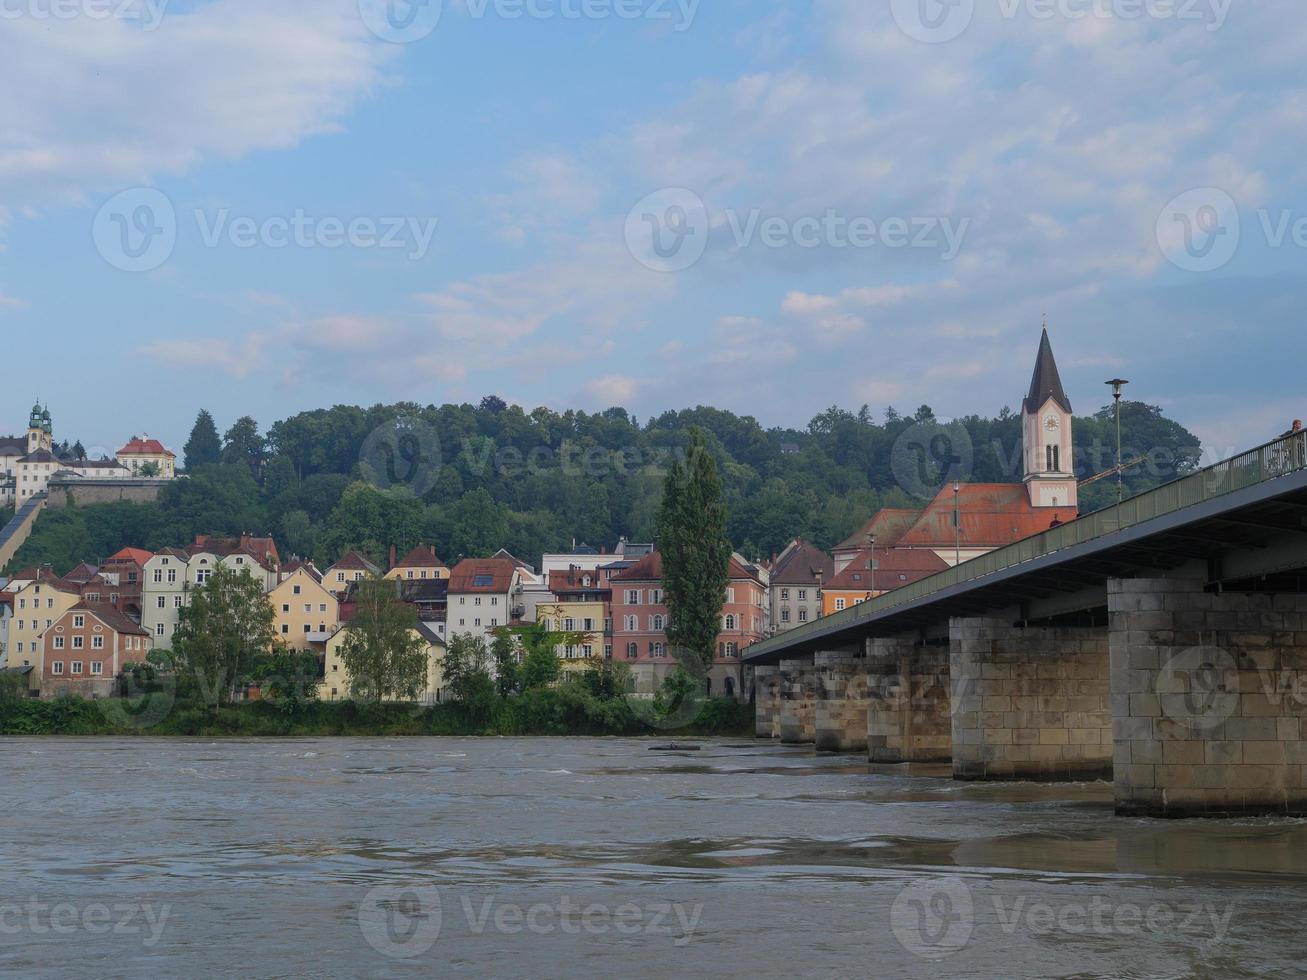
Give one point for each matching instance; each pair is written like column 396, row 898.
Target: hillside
column 472, row 479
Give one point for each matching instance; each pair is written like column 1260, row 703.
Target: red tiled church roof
column 991, row 515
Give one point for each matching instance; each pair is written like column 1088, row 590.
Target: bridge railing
column 1265, row 463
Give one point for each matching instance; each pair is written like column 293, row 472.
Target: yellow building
column 579, row 616
column 352, row 567
column 37, row 606
column 421, row 564
column 338, row 686
column 304, row 611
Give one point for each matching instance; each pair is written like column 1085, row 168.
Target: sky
column 770, row 206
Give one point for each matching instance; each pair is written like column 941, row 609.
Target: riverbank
column 542, row 713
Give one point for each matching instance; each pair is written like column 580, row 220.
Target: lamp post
column 957, row 525
column 1116, row 385
column 871, row 541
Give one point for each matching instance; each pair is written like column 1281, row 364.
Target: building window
column 97, row 643
column 803, row 595
column 839, row 605
column 785, row 615
column 158, row 629
column 58, row 644
column 162, row 602
column 75, row 667
column 57, row 667
column 785, row 595
column 79, row 622
column 632, row 651
column 97, row 667
column 803, row 615
column 78, row 642
column 633, row 597
column 731, row 623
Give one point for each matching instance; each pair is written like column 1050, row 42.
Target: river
column 600, row 857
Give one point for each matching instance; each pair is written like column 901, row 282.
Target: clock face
column 1052, row 423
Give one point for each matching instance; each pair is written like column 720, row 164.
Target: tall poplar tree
column 203, row 447
column 695, row 549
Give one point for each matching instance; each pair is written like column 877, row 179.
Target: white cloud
column 99, row 103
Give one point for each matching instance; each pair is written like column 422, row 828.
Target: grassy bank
column 564, row 711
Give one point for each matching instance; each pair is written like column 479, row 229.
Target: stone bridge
column 1161, row 643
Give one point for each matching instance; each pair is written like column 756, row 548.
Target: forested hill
column 472, row 479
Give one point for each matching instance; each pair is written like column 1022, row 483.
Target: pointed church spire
column 1046, row 383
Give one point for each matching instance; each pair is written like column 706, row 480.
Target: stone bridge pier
column 798, row 706
column 1209, row 696
column 1030, row 703
column 840, row 715
column 767, row 701
column 909, row 702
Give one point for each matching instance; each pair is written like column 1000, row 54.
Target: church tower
column 1046, row 435
column 40, row 431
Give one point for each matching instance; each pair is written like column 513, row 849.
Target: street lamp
column 1116, row 385
column 871, row 541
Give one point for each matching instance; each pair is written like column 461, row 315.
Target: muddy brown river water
column 599, row 857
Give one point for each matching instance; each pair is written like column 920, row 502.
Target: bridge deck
column 1257, row 501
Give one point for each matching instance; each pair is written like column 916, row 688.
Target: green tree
column 224, row 629
column 504, row 652
column 203, row 447
column 150, row 469
column 695, row 550
column 385, row 657
column 243, row 444
column 467, row 675
column 288, row 678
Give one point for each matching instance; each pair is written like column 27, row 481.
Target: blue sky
column 1136, row 178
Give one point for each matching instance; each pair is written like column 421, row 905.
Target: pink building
column 640, row 625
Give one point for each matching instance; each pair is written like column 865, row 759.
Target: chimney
column 394, row 559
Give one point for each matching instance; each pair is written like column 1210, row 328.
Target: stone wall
column 909, row 702
column 1030, row 703
column 84, row 493
column 1210, row 700
column 840, row 715
column 14, row 534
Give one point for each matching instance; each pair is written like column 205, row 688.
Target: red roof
column 110, row 616
column 574, row 579
column 144, row 447
column 894, row 569
column 888, row 524
column 488, row 575
column 421, row 557
column 991, row 515
column 647, row 569
column 138, row 555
